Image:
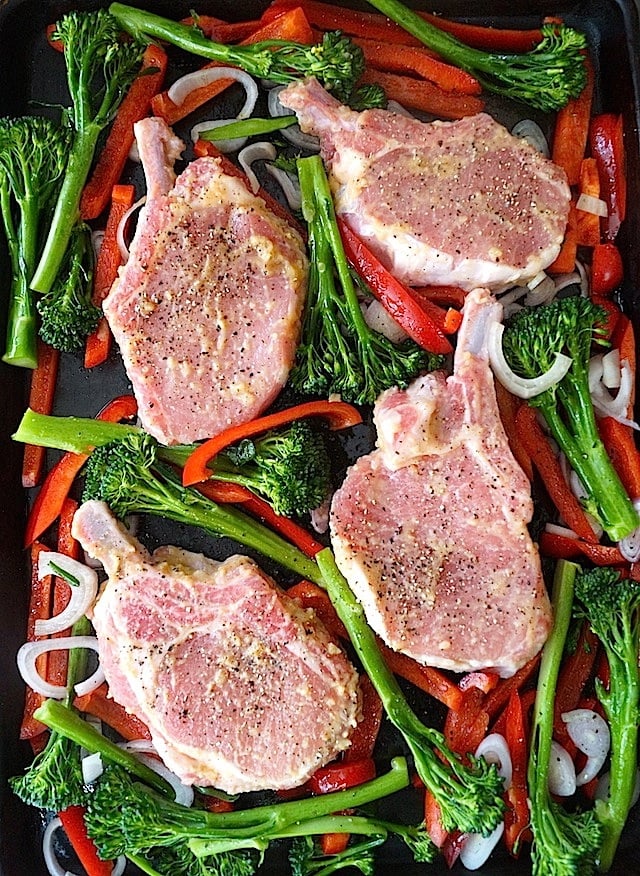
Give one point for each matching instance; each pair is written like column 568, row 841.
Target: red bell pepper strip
column 109, row 259
column 292, row 25
column 466, row 727
column 224, row 492
column 516, row 817
column 163, row 107
column 113, row 156
column 55, row 489
column 422, row 95
column 565, row 261
column 433, row 820
column 415, row 61
column 574, row 674
column 220, row 31
column 39, row 609
column 396, row 298
column 340, row 775
column 72, row 820
column 55, row 44
column 309, row 595
column 426, row 678
column 562, row 547
column 546, row 463
column 607, row 269
column 623, row 339
column 339, row 415
column 99, row 704
column 334, row 843
column 287, row 528
column 588, row 224
column 571, row 131
column 445, row 296
column 41, row 395
column 497, row 700
column 363, row 738
column 607, row 147
column 508, row 406
column 619, row 440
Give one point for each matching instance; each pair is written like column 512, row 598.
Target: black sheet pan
column 30, row 73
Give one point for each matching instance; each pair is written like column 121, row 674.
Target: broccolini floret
column 611, row 606
column 67, row 313
column 338, row 352
column 564, row 843
column 100, row 65
column 33, row 156
column 545, row 77
column 531, row 340
column 336, row 62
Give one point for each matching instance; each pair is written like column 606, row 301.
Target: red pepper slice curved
column 340, row 415
column 55, row 488
column 341, row 775
column 398, row 300
column 607, row 147
column 72, row 820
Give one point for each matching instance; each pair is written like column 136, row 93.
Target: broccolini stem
column 546, row 77
column 66, row 722
column 470, row 798
column 67, row 211
column 74, row 434
column 21, row 346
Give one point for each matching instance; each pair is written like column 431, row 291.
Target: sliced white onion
column 562, row 281
column 521, row 386
column 602, row 789
column 589, row 204
column 48, row 850
column 293, row 134
column 562, row 772
column 320, row 517
column 92, row 768
column 91, row 683
column 262, row 151
column 606, row 404
column 288, row 183
column 183, row 794
column 495, row 750
column 83, row 594
column 476, row 848
column 205, row 76
column 564, row 531
column 544, row 292
column 590, row 732
column 30, row 651
column 134, row 153
column 528, row 130
column 513, row 294
column 612, row 369
column 378, row 318
column 230, row 145
column 97, row 237
column 123, row 246
column 629, row 546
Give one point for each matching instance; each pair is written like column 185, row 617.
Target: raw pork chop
column 430, row 529
column 207, row 309
column 461, row 202
column 240, row 688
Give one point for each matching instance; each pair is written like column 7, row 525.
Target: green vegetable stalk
column 612, row 608
column 336, row 62
column 339, row 353
column 33, row 154
column 531, row 340
column 564, row 843
column 470, row 797
column 100, row 66
column 546, row 77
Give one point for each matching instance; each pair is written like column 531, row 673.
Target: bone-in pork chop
column 430, row 529
column 206, row 311
column 462, row 203
column 241, row 688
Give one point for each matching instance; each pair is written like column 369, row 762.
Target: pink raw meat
column 430, row 529
column 240, row 687
column 462, row 203
column 206, row 311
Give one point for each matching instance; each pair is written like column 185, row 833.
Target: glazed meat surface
column 206, row 311
column 241, row 688
column 462, row 203
column 430, row 529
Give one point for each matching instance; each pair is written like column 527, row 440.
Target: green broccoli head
column 67, row 313
column 33, row 156
column 53, row 780
column 120, row 473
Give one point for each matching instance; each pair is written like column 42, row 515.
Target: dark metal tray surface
column 32, row 78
